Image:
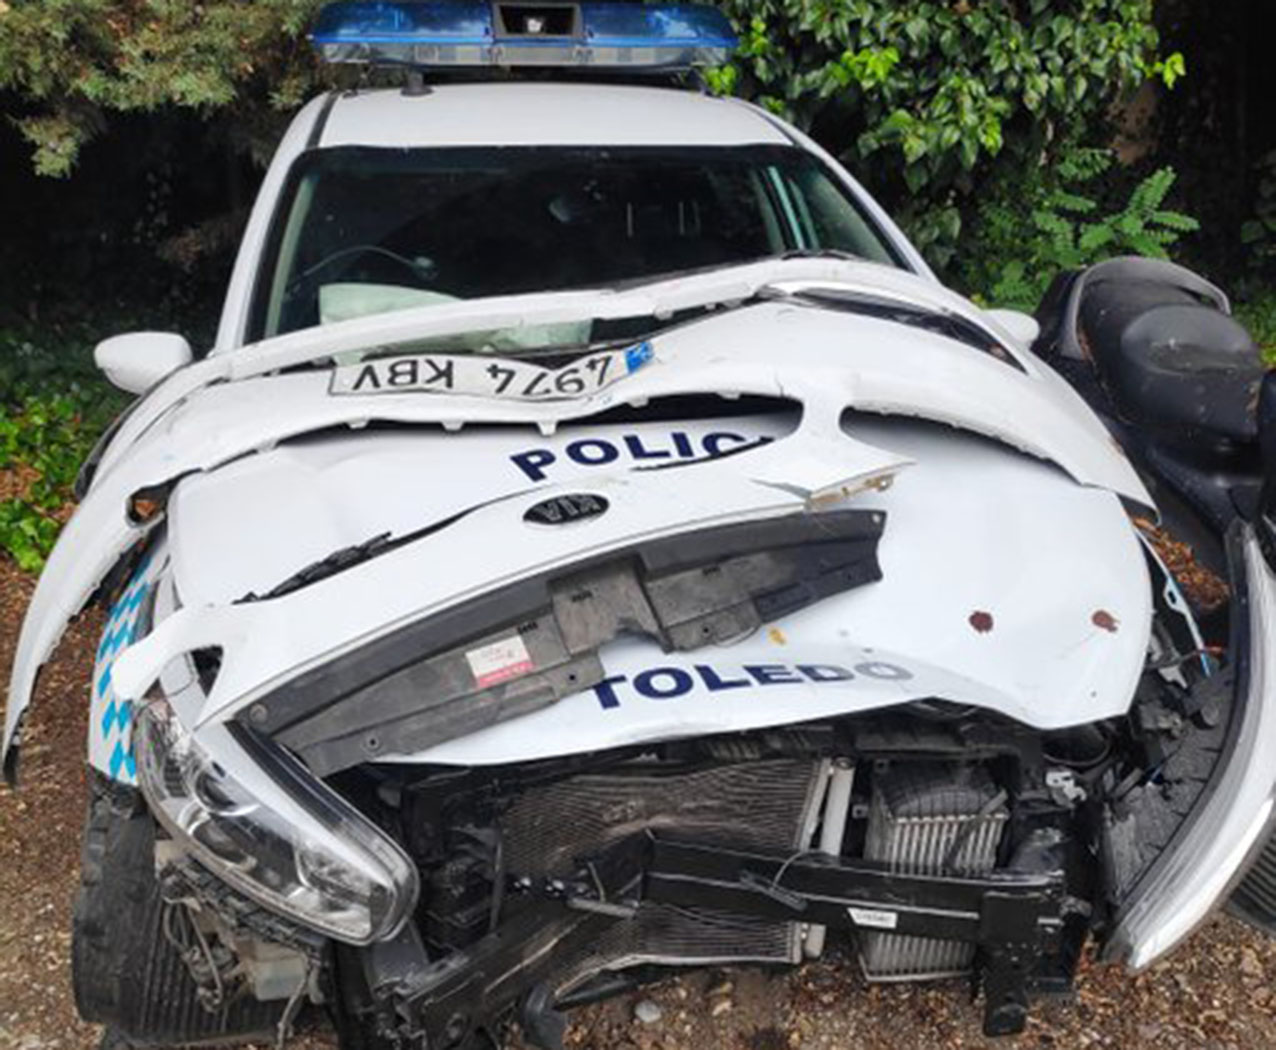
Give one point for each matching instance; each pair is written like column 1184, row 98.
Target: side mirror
column 137, row 361
column 1023, row 327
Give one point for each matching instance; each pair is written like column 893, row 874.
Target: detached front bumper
column 1216, row 844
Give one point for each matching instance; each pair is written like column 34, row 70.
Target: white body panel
column 536, row 311
column 522, row 114
column 827, row 361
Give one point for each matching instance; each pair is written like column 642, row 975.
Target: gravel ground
column 1213, row 994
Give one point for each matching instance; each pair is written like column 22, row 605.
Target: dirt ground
column 1213, row 994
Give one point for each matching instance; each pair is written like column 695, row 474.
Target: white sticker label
column 499, row 661
column 878, row 920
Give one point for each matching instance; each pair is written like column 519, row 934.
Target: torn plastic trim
column 1089, row 683
column 662, row 298
column 100, row 530
column 942, row 383
column 524, row 646
column 102, row 578
column 88, row 469
column 657, row 299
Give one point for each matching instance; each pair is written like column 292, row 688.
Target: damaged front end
column 436, row 902
column 459, row 728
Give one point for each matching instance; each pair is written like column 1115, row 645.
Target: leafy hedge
column 1258, row 314
column 70, row 63
column 1038, row 223
column 923, row 99
column 53, row 404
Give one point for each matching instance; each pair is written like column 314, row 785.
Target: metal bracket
column 1012, row 916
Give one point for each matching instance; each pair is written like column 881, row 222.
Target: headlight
column 270, row 830
column 1198, row 869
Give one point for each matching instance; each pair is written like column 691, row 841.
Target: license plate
column 475, row 375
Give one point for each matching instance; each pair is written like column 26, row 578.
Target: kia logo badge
column 566, row 510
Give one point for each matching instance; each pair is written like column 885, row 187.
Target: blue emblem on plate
column 637, row 356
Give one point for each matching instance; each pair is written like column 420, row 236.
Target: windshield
column 363, row 231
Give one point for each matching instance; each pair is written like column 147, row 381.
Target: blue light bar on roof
column 442, row 33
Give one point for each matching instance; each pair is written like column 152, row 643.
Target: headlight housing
column 267, row 828
column 1233, row 819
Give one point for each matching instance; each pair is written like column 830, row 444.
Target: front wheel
column 124, row 971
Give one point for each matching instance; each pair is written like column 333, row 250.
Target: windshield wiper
column 824, row 253
column 334, row 563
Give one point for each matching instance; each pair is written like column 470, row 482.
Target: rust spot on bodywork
column 981, row 621
column 777, row 636
column 1105, row 621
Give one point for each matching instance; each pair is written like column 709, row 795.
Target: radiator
column 767, row 805
column 926, row 820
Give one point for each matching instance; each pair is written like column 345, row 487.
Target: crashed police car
column 597, row 546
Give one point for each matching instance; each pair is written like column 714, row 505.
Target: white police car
column 597, row 545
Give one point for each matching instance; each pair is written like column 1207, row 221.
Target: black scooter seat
column 1170, row 363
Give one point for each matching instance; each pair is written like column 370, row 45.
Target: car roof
column 545, row 114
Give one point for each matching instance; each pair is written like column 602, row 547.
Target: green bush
column 53, row 406
column 68, row 63
column 1258, row 315
column 1035, row 223
column 921, row 97
column 927, row 101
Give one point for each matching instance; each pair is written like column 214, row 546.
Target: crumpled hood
column 974, row 538
column 311, row 498
column 826, row 362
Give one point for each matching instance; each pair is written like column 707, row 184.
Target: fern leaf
column 1176, row 220
column 1149, row 194
column 1095, row 237
column 1146, row 245
column 1073, row 202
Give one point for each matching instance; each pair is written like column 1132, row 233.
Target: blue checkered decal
column 114, row 718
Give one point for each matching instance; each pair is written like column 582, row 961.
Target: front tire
column 124, row 972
